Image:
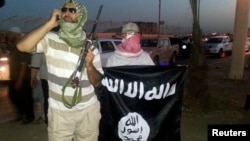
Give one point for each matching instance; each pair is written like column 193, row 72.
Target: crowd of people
column 69, row 112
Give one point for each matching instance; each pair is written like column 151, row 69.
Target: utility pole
column 240, row 34
column 159, row 19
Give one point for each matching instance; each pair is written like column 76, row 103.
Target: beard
column 69, row 19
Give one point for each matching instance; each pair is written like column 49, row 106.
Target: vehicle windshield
column 214, row 40
column 107, row 46
column 117, row 42
column 175, row 41
column 149, row 43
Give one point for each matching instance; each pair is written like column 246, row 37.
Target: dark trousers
column 247, row 103
column 22, row 99
column 45, row 88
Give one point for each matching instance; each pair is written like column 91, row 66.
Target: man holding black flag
column 74, row 111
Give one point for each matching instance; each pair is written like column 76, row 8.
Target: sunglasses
column 71, row 10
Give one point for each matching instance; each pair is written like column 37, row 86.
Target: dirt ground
column 226, row 106
column 228, row 99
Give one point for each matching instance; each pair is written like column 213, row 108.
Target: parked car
column 107, row 47
column 162, row 51
column 247, row 45
column 218, row 45
column 184, row 44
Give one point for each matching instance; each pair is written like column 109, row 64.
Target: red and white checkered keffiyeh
column 131, row 45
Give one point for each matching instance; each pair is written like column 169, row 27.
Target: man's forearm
column 22, row 71
column 94, row 76
column 34, row 72
column 29, row 41
column 33, row 82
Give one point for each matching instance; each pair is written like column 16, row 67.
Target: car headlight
column 184, row 47
column 2, row 69
column 4, row 59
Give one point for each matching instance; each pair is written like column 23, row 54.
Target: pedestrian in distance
column 129, row 52
column 74, row 110
column 38, row 100
column 20, row 91
column 39, row 79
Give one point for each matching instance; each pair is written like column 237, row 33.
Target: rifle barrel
column 82, row 56
column 96, row 22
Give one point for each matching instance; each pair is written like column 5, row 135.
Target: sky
column 215, row 15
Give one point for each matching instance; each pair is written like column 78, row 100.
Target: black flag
column 141, row 103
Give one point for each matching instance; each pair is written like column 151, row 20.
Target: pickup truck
column 161, row 50
column 218, row 45
column 184, row 43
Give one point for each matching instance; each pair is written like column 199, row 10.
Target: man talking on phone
column 73, row 113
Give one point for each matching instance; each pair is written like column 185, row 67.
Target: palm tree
column 196, row 84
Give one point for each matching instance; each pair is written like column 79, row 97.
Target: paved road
column 211, row 60
column 11, row 130
column 14, row 131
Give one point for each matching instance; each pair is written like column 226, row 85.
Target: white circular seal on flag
column 133, row 127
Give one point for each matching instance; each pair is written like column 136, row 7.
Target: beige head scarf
column 72, row 33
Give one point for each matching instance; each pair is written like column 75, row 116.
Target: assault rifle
column 84, row 51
